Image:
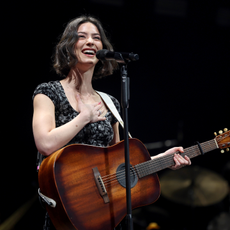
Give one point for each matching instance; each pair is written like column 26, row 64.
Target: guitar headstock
column 223, row 140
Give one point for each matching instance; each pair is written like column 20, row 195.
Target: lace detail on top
column 98, row 134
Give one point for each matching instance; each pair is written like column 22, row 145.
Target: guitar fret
column 209, row 146
column 68, row 173
column 159, row 163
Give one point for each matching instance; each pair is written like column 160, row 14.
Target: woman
column 70, row 111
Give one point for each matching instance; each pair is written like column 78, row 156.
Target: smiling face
column 88, row 44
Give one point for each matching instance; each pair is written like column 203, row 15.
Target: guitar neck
column 162, row 162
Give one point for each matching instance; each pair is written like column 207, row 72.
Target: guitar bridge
column 100, row 185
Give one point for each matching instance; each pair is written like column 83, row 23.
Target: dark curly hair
column 65, row 58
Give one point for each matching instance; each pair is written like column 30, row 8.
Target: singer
column 70, row 111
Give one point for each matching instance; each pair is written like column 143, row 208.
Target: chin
column 88, row 64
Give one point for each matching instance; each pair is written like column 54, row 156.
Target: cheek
column 77, row 55
column 99, row 45
column 78, row 47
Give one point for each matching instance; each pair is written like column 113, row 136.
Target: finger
column 181, row 159
column 177, row 163
column 188, row 159
column 174, row 150
column 176, row 166
column 101, row 118
column 99, row 113
column 180, row 149
column 177, row 160
column 96, row 104
column 98, row 107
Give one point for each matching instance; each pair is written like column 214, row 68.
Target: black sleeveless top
column 98, row 134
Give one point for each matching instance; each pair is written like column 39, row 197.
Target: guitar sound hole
column 120, row 173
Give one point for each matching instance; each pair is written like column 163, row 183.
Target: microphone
column 117, row 56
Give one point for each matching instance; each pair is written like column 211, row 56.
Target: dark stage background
column 179, row 88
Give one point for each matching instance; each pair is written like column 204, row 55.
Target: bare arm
column 116, row 137
column 48, row 137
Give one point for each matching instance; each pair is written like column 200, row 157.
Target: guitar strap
column 112, row 108
column 107, row 100
column 42, row 198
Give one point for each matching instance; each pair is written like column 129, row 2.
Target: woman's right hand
column 91, row 112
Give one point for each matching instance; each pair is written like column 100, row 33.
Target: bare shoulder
column 42, row 101
column 44, row 113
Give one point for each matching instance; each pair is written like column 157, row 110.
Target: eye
column 81, row 36
column 97, row 38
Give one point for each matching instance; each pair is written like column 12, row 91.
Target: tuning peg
column 225, row 130
column 227, row 149
column 220, row 132
column 222, row 151
column 215, row 133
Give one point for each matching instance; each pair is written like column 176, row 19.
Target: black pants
column 48, row 225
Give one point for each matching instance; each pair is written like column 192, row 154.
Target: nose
column 90, row 41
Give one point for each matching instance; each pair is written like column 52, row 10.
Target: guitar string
column 147, row 168
column 118, row 175
column 115, row 180
column 207, row 146
column 163, row 160
column 144, row 169
column 192, row 152
column 115, row 177
column 121, row 173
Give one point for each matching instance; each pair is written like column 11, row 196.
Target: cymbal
column 193, row 186
column 221, row 222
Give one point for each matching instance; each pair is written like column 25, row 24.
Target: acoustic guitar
column 88, row 183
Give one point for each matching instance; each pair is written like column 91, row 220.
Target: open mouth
column 89, row 52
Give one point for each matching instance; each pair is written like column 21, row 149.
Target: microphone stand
column 125, row 96
column 123, row 59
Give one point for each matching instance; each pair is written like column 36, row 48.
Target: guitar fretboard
column 162, row 162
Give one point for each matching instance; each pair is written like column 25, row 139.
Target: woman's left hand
column 178, row 159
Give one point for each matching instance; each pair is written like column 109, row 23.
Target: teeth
column 88, row 52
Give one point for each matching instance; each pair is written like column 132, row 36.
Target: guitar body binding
column 68, row 177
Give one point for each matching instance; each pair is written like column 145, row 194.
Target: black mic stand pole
column 125, row 94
